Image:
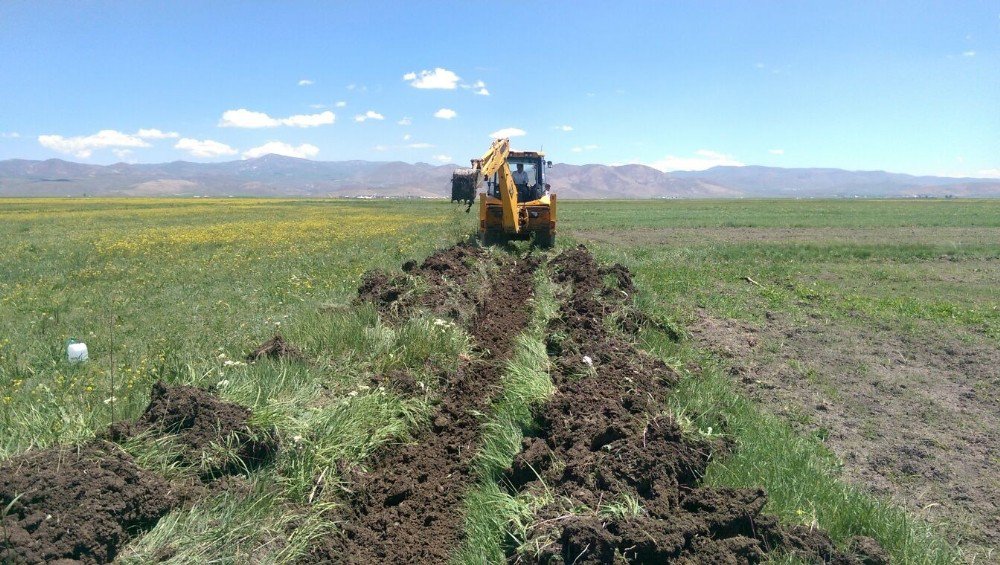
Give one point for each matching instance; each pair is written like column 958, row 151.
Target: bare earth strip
column 913, row 416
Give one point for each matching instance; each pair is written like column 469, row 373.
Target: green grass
column 905, row 263
column 626, row 214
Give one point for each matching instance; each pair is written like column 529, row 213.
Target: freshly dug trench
column 409, row 507
column 79, row 505
column 603, row 441
column 202, row 424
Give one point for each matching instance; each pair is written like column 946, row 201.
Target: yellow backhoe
column 516, row 204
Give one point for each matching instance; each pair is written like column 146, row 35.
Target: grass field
column 182, row 290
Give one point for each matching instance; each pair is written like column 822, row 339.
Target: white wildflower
column 588, row 360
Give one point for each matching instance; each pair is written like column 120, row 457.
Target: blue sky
column 901, row 86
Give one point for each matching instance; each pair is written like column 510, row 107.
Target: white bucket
column 76, row 351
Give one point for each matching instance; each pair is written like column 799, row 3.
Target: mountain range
column 275, row 175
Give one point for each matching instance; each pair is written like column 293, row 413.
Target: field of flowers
column 156, row 287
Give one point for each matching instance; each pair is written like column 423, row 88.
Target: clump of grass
column 258, row 526
column 624, row 507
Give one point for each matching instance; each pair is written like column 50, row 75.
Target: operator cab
column 533, row 186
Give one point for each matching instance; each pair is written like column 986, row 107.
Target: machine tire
column 491, row 237
column 545, row 239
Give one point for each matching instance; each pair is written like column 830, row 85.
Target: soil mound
column 443, row 277
column 276, row 348
column 216, row 435
column 602, row 446
column 78, row 505
column 409, row 507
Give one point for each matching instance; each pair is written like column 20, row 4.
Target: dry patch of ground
column 913, row 415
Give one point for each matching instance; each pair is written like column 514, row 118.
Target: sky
column 903, row 86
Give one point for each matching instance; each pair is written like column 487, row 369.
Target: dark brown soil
column 202, row 423
column 913, row 415
column 408, row 508
column 78, row 505
column 445, row 289
column 276, row 348
column 601, row 439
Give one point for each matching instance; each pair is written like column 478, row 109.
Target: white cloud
column 84, row 146
column 380, row 148
column 442, row 158
column 9, row 135
column 205, row 148
column 564, row 128
column 303, row 151
column 305, row 82
column 405, row 121
column 968, row 53
column 989, row 173
column 309, row 120
column 317, row 106
column 703, row 159
column 479, row 86
column 156, row 134
column 445, row 114
column 420, row 145
column 244, row 118
column 407, row 137
column 437, row 79
column 581, row 149
column 340, row 104
column 121, row 153
column 369, row 115
column 508, row 132
column 776, row 151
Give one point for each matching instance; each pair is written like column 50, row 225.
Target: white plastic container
column 76, row 351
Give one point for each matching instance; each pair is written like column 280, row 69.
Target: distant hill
column 275, row 175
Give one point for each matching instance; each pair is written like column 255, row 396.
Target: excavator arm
column 494, row 161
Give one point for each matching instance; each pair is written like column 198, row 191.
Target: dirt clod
column 79, row 504
column 276, row 348
column 215, row 435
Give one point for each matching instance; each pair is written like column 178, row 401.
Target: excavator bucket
column 463, row 186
